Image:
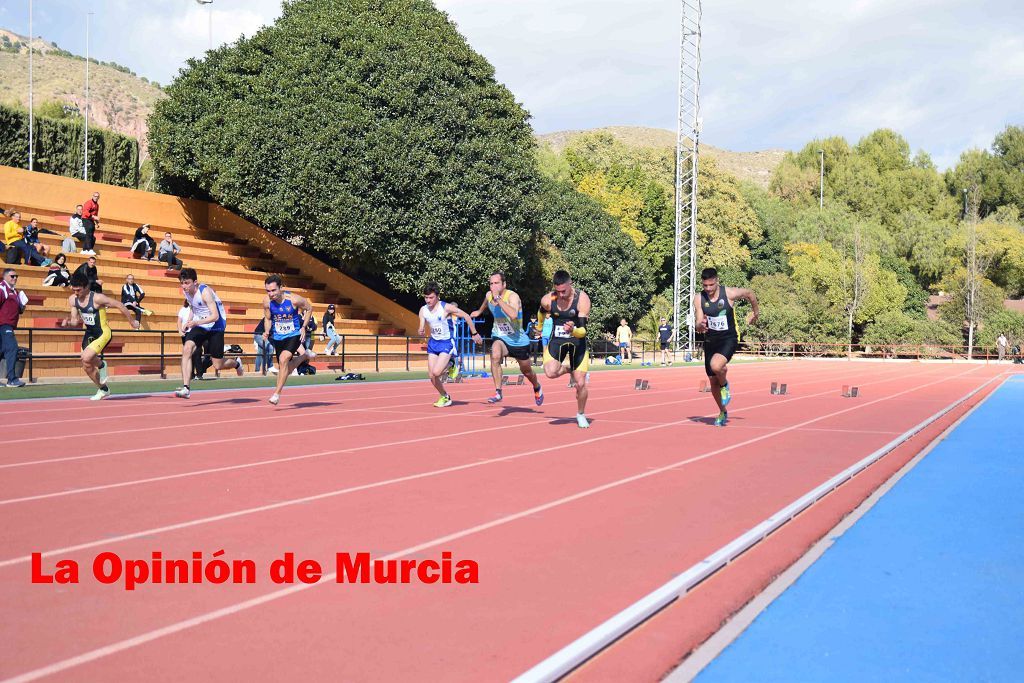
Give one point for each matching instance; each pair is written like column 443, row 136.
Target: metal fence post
column 407, row 354
column 31, row 352
column 343, row 352
column 376, row 351
column 163, row 368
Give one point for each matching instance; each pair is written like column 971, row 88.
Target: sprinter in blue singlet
column 441, row 350
column 285, row 315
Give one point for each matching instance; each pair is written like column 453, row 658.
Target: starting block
column 850, row 392
column 642, row 385
column 704, row 388
column 779, row 389
column 506, row 380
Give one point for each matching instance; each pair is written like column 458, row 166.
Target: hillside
column 120, row 101
column 754, row 166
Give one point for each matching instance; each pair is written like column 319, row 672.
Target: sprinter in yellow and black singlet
column 90, row 308
column 566, row 352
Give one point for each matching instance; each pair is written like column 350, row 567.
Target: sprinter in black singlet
column 90, row 308
column 567, row 352
column 717, row 320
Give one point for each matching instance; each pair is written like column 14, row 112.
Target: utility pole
column 31, row 109
column 85, row 166
column 821, row 184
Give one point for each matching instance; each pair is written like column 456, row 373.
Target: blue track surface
column 927, row 586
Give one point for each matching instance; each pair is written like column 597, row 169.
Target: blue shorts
column 439, row 346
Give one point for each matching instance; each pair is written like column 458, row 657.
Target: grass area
column 151, row 386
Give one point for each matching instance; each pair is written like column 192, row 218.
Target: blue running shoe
column 496, row 398
column 722, row 418
column 726, row 395
column 538, row 396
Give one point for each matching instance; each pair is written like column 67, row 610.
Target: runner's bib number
column 439, row 330
column 504, row 328
column 89, row 318
column 718, row 323
column 561, row 333
column 284, row 326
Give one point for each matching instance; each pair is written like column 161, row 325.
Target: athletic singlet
column 200, row 310
column 507, row 329
column 559, row 317
column 93, row 317
column 442, row 328
column 285, row 319
column 719, row 315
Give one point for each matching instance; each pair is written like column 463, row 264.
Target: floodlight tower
column 687, row 141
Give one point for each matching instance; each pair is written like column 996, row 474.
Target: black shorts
column 289, row 344
column 576, row 349
column 723, row 347
column 664, row 345
column 212, row 339
column 517, row 352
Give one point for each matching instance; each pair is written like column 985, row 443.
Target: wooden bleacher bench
column 112, row 237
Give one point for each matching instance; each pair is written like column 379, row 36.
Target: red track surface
column 568, row 527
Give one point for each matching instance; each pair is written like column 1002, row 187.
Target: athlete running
column 285, row 317
column 90, row 308
column 205, row 326
column 509, row 337
column 567, row 352
column 716, row 319
column 441, row 350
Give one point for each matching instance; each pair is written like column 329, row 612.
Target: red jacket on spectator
column 91, row 209
column 10, row 307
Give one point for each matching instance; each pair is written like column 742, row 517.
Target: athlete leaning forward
column 566, row 351
column 90, row 308
column 442, row 354
column 204, row 328
column 509, row 337
column 286, row 316
column 716, row 319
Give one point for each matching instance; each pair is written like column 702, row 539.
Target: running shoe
column 496, row 398
column 100, row 395
column 15, row 384
column 726, row 395
column 443, row 402
column 722, row 418
column 146, row 311
column 183, row 392
column 239, row 368
column 103, row 372
column 274, row 399
column 538, row 396
column 581, row 421
column 453, row 369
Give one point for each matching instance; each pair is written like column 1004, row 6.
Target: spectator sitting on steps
column 32, row 231
column 132, row 296
column 89, row 270
column 59, row 275
column 14, row 239
column 77, row 229
column 168, row 253
column 143, row 246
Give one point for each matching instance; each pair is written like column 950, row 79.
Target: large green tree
column 366, row 130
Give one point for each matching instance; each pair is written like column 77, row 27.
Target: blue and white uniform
column 442, row 330
column 285, row 319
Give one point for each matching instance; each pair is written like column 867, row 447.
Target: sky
column 947, row 74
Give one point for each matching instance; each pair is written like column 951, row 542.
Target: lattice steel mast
column 687, row 141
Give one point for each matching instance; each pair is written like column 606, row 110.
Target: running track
column 568, row 526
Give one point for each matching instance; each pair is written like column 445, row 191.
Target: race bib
column 89, row 318
column 439, row 330
column 561, row 333
column 284, row 326
column 718, row 323
column 504, row 328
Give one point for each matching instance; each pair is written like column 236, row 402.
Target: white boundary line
column 706, row 653
column 170, row 629
column 583, row 648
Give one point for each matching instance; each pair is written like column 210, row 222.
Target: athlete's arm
column 74, row 319
column 747, row 295
column 452, row 309
column 302, row 304
column 267, row 322
column 104, row 300
column 700, row 324
column 511, row 307
column 423, row 323
column 483, row 307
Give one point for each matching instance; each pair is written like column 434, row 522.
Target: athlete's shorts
column 576, row 349
column 213, row 339
column 290, row 344
column 723, row 347
column 439, row 346
column 623, row 345
column 664, row 345
column 97, row 344
column 517, row 352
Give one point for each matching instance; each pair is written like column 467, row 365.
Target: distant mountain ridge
column 754, row 166
column 119, row 100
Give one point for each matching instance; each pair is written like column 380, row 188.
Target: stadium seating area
column 229, row 253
